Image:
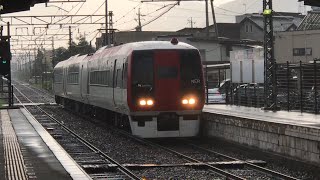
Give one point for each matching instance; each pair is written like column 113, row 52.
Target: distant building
column 132, row 36
column 211, row 48
column 226, row 30
column 251, row 25
column 302, row 44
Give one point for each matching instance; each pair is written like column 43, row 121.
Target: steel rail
column 212, row 168
column 259, row 168
column 89, row 145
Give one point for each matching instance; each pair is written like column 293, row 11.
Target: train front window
column 190, row 69
column 142, row 69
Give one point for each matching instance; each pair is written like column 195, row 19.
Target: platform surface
column 283, row 117
column 27, row 151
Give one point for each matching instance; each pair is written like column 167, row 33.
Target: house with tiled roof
column 301, row 44
column 251, row 25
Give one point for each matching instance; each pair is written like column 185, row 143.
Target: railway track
column 193, row 157
column 95, row 162
column 37, row 95
column 222, row 164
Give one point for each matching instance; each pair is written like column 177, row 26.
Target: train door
column 167, row 85
column 114, row 82
column 81, row 84
column 64, row 81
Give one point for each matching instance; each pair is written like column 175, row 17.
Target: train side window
column 109, row 82
column 124, row 74
column 118, row 78
column 105, row 78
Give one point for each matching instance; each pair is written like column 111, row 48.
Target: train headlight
column 149, row 102
column 185, row 101
column 146, row 102
column 192, row 101
column 142, row 102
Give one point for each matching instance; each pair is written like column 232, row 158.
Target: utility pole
column 139, row 28
column 106, row 37
column 34, row 66
column 207, row 10
column 111, row 33
column 53, row 59
column 30, row 69
column 191, row 22
column 214, row 20
column 70, row 38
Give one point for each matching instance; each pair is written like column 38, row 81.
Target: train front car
column 166, row 91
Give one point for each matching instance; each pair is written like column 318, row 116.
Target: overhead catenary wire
column 85, row 19
column 44, row 32
column 157, row 17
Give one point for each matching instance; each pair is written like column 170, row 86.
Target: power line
column 127, row 13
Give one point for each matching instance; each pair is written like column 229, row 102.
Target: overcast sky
column 125, row 15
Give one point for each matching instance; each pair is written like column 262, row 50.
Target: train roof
column 149, row 45
column 72, row 60
column 126, row 48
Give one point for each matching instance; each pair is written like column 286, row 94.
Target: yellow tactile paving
column 14, row 163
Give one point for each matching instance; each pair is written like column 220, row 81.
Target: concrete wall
column 302, row 143
column 286, row 41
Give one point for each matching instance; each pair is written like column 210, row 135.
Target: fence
column 298, row 89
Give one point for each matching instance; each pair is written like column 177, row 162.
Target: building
column 132, row 36
column 302, row 44
column 251, row 25
column 226, row 30
column 212, row 49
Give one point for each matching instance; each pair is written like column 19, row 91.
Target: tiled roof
column 310, row 22
column 280, row 23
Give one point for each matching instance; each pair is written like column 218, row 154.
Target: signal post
column 5, row 59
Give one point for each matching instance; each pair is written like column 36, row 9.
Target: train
column 155, row 89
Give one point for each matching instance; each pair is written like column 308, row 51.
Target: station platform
column 27, row 151
column 284, row 117
column 291, row 134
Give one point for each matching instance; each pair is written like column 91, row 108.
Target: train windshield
column 190, row 69
column 142, row 75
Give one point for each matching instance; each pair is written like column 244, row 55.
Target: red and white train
column 154, row 88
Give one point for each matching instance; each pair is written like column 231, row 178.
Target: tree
column 83, row 47
column 60, row 54
column 38, row 63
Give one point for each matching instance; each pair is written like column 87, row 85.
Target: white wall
column 285, row 42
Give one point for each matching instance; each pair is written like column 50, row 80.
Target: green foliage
column 38, row 63
column 83, row 47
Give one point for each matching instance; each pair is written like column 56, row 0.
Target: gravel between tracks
column 280, row 164
column 121, row 148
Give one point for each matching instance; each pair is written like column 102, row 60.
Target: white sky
column 125, row 14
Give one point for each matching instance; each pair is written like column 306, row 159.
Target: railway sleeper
column 222, row 164
column 99, row 168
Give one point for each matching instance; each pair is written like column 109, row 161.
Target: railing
column 298, row 87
